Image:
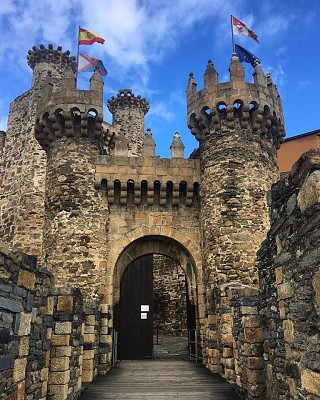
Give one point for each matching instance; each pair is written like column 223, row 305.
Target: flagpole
column 233, row 46
column 78, row 56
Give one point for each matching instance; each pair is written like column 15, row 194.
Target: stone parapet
column 50, row 55
column 235, row 103
column 149, row 180
column 69, row 112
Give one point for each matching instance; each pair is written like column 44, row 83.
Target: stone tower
column 128, row 111
column 69, row 129
column 239, row 126
column 22, row 203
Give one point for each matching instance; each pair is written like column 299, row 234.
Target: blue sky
column 152, row 45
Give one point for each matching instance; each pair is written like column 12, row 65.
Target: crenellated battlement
column 148, row 181
column 43, row 54
column 235, row 103
column 77, row 113
column 126, row 98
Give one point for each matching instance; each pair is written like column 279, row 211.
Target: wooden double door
column 133, row 315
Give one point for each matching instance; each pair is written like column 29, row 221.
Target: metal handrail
column 115, row 361
column 193, row 345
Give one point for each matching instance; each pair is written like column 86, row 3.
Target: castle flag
column 89, row 64
column 89, row 37
column 245, row 55
column 239, row 28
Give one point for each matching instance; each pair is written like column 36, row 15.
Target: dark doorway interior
column 154, row 311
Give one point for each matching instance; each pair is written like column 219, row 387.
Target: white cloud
column 278, row 75
column 302, row 84
column 161, row 110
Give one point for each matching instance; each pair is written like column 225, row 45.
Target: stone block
column 19, row 370
column 62, row 328
column 24, row 346
column 105, row 339
column 60, row 340
column 227, row 339
column 229, row 374
column 245, row 310
column 25, row 324
column 285, row 291
column 89, row 329
column 253, row 335
column 6, row 362
column 88, row 354
column 310, row 381
column 59, row 364
column 63, row 351
column 21, row 391
column 50, row 305
column 255, row 363
column 59, row 378
column 288, row 330
column 227, row 352
column 87, row 376
column 251, row 321
column 58, row 392
column 278, row 275
column 282, row 309
column 310, row 191
column 255, row 376
column 316, row 287
column 10, row 304
column 65, row 303
column 89, row 337
column 90, row 320
column 44, row 374
column 26, row 279
column 88, row 364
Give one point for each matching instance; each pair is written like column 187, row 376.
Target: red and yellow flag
column 89, row 37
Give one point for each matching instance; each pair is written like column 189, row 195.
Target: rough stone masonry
column 85, row 198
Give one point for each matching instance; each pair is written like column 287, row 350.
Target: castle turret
column 177, row 147
column 69, row 129
column 239, row 126
column 128, row 111
column 24, row 160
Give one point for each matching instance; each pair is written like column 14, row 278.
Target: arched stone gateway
column 133, row 282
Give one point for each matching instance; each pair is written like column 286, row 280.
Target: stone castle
column 82, row 200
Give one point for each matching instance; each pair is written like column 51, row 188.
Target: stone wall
column 26, row 312
column 290, row 284
column 169, row 297
column 52, row 342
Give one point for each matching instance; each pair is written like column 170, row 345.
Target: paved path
column 159, row 380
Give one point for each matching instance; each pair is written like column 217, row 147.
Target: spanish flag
column 89, row 37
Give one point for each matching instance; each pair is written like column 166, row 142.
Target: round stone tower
column 69, row 129
column 24, row 160
column 128, row 111
column 239, row 126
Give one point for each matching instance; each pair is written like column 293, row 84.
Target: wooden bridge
column 159, row 380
